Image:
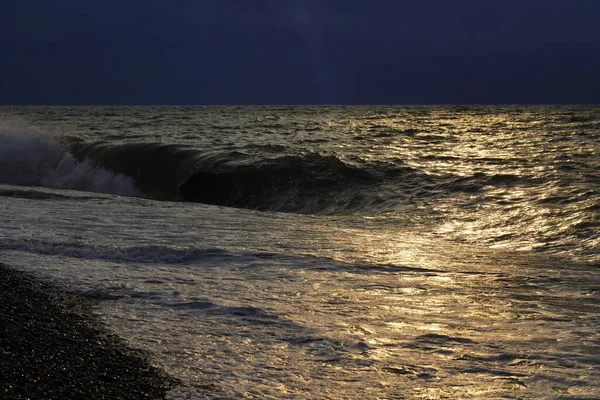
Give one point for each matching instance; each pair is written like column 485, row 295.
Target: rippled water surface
column 323, row 252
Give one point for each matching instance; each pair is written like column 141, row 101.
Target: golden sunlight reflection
column 439, row 306
column 378, row 243
column 401, row 326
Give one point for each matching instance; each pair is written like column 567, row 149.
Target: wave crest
column 34, row 159
column 294, row 183
column 300, row 183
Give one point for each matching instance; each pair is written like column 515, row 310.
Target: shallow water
column 351, row 252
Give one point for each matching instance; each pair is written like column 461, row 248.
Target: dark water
column 323, row 251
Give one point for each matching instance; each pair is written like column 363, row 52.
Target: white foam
column 29, row 157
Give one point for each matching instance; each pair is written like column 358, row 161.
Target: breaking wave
column 304, row 183
column 34, row 159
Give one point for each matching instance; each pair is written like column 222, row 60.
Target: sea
column 322, row 252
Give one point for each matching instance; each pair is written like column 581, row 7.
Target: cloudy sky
column 299, row 51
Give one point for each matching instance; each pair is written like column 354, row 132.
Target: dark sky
column 299, row 52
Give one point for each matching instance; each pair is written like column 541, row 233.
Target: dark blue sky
column 299, row 52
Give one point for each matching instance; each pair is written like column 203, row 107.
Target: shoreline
column 52, row 346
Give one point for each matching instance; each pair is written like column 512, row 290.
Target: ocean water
column 322, row 252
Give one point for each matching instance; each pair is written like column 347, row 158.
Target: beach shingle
column 52, row 347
